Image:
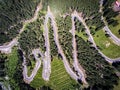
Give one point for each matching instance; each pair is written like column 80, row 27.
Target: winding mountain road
column 115, row 39
column 27, row 78
column 47, row 61
column 76, row 64
column 55, row 29
column 8, row 48
column 79, row 17
column 46, row 57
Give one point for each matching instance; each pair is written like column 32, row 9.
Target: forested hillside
column 12, row 14
column 99, row 74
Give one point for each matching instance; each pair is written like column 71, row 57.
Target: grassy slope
column 38, row 80
column 12, row 62
column 11, row 67
column 116, row 28
column 59, row 79
column 81, row 34
column 112, row 50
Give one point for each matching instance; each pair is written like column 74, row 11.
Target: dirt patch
column 107, row 44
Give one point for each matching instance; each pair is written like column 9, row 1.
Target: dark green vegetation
column 53, row 47
column 3, row 80
column 80, row 29
column 32, row 37
column 116, row 29
column 13, row 12
column 8, row 35
column 59, row 79
column 109, row 14
column 65, row 37
column 117, row 66
column 100, row 75
column 3, row 58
